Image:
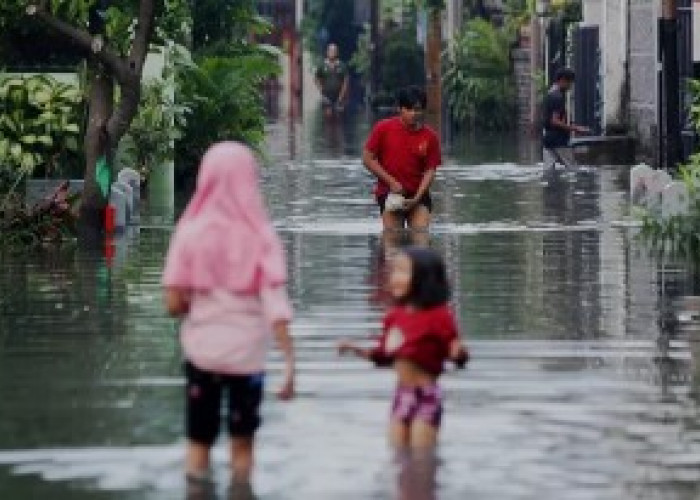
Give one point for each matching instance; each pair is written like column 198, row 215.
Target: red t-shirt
column 404, row 153
column 420, row 336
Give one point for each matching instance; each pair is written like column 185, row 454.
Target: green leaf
column 103, row 176
column 45, row 140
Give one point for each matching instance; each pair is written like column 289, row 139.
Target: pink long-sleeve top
column 230, row 333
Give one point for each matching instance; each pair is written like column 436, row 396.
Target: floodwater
column 574, row 391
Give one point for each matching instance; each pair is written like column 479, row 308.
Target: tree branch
column 142, row 39
column 95, row 45
column 131, row 88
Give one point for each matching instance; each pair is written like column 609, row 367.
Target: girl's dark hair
column 429, row 285
column 412, row 97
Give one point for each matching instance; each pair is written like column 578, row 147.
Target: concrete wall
column 643, row 64
column 628, row 38
column 696, row 30
column 614, row 67
column 523, row 83
column 611, row 18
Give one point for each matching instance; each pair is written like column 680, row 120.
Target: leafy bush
column 39, row 125
column 478, row 78
column 150, row 142
column 402, row 61
column 678, row 237
column 52, row 220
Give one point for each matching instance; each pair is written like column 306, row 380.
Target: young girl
column 225, row 275
column 419, row 334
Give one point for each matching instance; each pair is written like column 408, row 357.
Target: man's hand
column 410, row 203
column 579, row 129
column 395, row 186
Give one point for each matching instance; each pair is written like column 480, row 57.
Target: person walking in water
column 225, row 276
column 419, row 334
column 332, row 81
column 403, row 154
column 557, row 129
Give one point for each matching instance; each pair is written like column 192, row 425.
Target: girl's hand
column 286, row 391
column 345, row 347
column 459, row 354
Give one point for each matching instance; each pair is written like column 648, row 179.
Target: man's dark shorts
column 204, row 391
column 426, row 201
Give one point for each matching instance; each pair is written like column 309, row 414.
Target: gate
column 588, row 105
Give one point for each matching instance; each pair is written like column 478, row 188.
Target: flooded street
column 570, row 394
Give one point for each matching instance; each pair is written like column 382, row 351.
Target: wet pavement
column 573, row 392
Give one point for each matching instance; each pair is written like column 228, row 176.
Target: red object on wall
column 110, row 251
column 110, row 216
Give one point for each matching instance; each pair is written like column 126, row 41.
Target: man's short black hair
column 412, row 97
column 429, row 284
column 565, row 74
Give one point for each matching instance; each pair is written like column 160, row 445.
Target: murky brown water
column 570, row 393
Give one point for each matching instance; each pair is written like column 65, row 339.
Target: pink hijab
column 224, row 239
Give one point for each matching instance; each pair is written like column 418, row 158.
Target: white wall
column 696, row 30
column 611, row 18
column 614, row 41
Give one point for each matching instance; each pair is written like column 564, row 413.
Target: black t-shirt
column 555, row 103
column 331, row 76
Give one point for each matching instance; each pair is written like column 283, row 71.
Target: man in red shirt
column 403, row 154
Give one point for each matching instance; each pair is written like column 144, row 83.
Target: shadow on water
column 576, row 390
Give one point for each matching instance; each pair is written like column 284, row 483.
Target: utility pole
column 374, row 47
column 670, row 84
column 536, row 63
column 433, row 69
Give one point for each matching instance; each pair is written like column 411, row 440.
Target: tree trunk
column 97, row 143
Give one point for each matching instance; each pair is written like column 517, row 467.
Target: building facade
column 630, row 83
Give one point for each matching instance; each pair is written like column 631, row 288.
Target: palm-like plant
column 223, row 101
column 478, row 79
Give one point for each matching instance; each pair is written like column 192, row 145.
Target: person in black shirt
column 557, row 129
column 332, row 81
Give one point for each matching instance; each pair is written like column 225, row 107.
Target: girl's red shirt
column 422, row 336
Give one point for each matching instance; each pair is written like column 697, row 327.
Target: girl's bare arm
column 286, row 345
column 177, row 301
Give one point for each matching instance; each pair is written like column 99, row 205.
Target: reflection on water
column 574, row 392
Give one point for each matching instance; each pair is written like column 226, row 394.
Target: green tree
column 114, row 37
column 478, row 78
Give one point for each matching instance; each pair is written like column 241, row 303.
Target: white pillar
column 614, row 55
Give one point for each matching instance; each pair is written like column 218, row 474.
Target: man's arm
column 343, row 89
column 558, row 122
column 372, row 163
column 428, row 178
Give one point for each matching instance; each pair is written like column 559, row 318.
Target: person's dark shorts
column 204, row 391
column 425, row 201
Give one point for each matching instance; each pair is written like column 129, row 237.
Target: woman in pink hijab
column 225, row 275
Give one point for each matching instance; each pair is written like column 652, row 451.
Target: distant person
column 225, row 277
column 403, row 154
column 419, row 335
column 557, row 129
column 332, row 81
